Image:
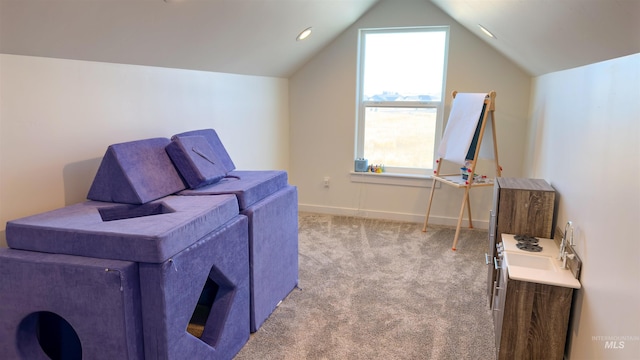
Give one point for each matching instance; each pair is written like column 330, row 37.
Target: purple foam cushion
column 273, row 252
column 171, row 292
column 195, row 160
column 249, row 186
column 136, row 172
column 98, row 298
column 215, row 143
column 151, row 232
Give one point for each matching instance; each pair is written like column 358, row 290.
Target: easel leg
column 465, row 202
column 468, row 200
column 426, row 217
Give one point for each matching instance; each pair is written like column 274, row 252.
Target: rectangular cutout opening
column 121, row 212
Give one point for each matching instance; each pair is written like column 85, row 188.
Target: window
column 400, row 102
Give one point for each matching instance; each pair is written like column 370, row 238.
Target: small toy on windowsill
column 378, row 169
column 361, row 165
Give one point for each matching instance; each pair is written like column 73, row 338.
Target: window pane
column 401, row 84
column 400, row 137
column 404, row 66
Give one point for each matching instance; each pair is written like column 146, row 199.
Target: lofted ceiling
column 257, row 37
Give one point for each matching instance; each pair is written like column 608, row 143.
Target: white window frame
column 395, row 172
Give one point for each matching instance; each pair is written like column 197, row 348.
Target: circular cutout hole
column 54, row 335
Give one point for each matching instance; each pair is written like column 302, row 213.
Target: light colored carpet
column 375, row 289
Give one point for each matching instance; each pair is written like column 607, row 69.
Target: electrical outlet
column 326, row 181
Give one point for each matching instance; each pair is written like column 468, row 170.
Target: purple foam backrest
column 196, row 160
column 216, row 146
column 136, row 172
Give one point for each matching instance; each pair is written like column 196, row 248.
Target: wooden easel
column 455, row 180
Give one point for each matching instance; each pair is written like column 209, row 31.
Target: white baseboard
column 385, row 215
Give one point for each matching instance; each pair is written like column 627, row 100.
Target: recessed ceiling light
column 304, row 34
column 487, row 32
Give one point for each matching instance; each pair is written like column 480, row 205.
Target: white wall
column 585, row 140
column 323, row 108
column 58, row 117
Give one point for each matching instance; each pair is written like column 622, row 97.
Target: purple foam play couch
column 153, row 276
column 142, row 269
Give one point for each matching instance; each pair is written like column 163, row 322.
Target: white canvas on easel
column 466, row 112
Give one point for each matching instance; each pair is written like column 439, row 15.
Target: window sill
column 414, row 180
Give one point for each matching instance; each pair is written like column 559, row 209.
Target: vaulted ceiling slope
column 544, row 36
column 257, row 37
column 253, row 37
